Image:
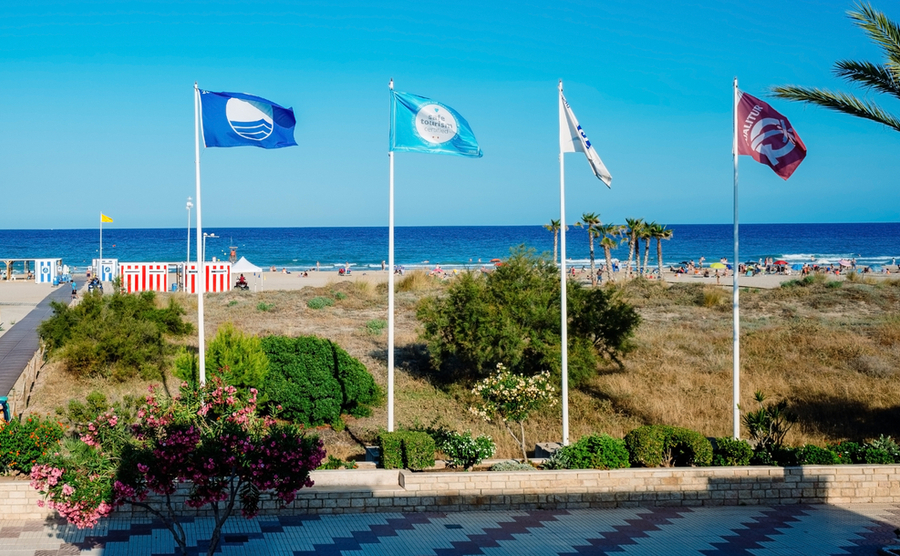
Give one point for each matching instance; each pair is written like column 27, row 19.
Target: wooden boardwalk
column 20, row 342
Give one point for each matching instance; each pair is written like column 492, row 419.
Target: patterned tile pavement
column 726, row 531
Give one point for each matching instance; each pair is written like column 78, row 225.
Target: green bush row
column 406, row 450
column 661, row 445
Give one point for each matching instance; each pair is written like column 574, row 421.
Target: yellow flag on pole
column 104, row 218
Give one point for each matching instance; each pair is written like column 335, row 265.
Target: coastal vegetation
column 829, row 352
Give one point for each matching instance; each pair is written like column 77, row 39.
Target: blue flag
column 240, row 120
column 421, row 125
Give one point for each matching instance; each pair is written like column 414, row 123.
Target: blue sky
column 98, row 111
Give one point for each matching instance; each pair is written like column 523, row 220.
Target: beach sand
column 18, row 298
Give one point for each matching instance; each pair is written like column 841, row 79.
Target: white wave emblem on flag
column 249, row 119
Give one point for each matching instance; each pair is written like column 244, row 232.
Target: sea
column 364, row 248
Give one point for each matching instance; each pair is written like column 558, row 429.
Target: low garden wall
column 382, row 490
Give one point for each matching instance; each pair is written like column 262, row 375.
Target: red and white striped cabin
column 218, row 277
column 142, row 277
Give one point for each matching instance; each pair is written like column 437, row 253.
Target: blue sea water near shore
column 450, row 246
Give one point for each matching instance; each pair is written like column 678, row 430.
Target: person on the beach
column 382, row 266
column 74, row 289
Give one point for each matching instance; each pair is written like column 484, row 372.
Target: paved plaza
column 748, row 530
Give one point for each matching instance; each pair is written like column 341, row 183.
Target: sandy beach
column 18, row 298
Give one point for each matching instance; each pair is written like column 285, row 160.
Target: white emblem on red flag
column 768, row 136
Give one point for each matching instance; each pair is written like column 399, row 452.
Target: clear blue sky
column 98, row 111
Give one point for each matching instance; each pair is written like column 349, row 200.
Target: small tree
column 206, row 439
column 768, row 426
column 238, row 357
column 512, row 398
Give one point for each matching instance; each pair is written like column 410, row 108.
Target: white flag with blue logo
column 572, row 139
column 422, row 125
column 241, row 120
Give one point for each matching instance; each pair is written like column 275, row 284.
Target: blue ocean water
column 450, row 246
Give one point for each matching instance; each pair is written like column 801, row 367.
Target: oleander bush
column 730, row 452
column 465, row 451
column 314, row 381
column 661, row 445
column 594, row 451
column 24, row 442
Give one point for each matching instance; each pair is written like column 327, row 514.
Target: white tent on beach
column 243, row 266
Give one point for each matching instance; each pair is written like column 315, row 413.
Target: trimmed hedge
column 315, row 381
column 661, row 445
column 406, row 450
column 730, row 452
column 813, row 455
column 596, row 451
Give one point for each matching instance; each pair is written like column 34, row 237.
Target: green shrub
column 264, row 307
column 418, row 451
column 814, row 455
column 731, row 452
column 406, row 449
column 320, row 302
column 596, row 452
column 315, row 381
column 557, row 460
column 887, row 444
column 872, row 455
column 376, row 326
column 847, row 452
column 512, row 315
column 239, row 359
column 391, row 449
column 118, row 336
column 337, row 463
column 465, row 451
column 655, row 445
column 646, row 446
column 24, row 442
column 340, row 295
column 512, row 465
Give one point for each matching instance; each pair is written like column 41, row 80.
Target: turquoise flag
column 422, row 125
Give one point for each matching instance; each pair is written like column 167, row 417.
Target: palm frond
column 868, row 75
column 841, row 102
column 880, row 29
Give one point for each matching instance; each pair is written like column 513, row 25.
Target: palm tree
column 591, row 221
column 554, row 227
column 882, row 78
column 633, row 231
column 645, row 235
column 659, row 232
column 611, row 234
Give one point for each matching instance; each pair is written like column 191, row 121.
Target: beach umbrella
column 717, row 265
column 797, row 267
column 781, row 262
column 845, row 262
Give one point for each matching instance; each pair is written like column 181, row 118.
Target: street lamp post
column 205, row 236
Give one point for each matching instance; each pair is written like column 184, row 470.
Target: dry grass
column 831, row 351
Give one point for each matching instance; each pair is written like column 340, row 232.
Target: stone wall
column 392, row 491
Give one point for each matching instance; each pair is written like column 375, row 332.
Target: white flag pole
column 736, row 373
column 99, row 270
column 564, row 320
column 201, row 283
column 390, row 353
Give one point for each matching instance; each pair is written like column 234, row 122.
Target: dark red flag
column 767, row 136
